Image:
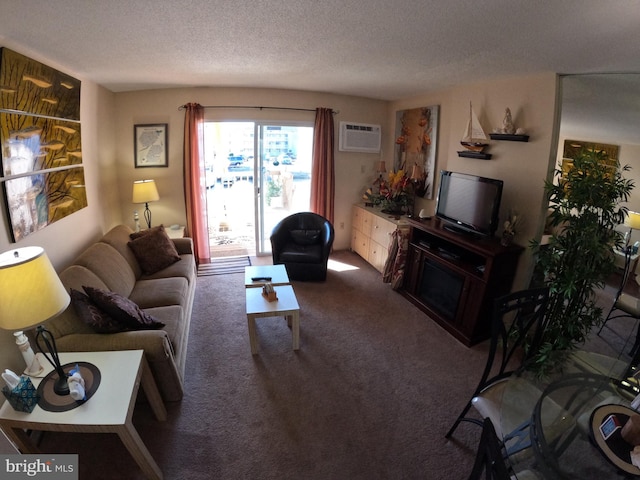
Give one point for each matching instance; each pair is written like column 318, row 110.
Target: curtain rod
column 335, row 112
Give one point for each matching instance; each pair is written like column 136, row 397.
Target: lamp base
column 61, row 386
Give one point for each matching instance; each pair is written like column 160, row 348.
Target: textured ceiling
column 376, row 48
column 380, row 49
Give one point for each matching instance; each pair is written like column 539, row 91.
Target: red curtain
column 322, row 167
column 194, row 181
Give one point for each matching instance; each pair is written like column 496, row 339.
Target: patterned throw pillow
column 153, row 249
column 92, row 315
column 122, row 310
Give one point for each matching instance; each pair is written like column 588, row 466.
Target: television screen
column 468, row 202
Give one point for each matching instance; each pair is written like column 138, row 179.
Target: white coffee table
column 278, row 274
column 109, row 410
column 286, row 306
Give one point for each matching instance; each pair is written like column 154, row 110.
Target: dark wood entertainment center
column 454, row 277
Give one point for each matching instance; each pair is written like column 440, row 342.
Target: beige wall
column 522, row 166
column 354, row 171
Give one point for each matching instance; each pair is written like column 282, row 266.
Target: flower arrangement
column 396, row 192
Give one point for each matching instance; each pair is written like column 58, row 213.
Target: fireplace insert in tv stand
column 454, row 278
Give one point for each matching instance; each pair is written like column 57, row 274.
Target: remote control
column 266, row 279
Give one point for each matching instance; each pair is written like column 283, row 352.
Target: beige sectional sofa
column 167, row 295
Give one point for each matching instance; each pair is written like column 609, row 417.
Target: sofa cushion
column 305, row 237
column 154, row 250
column 68, row 322
column 118, row 238
column 122, row 309
column 90, row 314
column 110, row 266
column 161, row 292
column 186, row 268
column 175, row 324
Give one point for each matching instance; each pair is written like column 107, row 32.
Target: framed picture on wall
column 150, row 145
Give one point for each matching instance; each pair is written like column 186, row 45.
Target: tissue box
column 24, row 397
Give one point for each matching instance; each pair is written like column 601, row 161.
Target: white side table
column 259, row 307
column 109, row 410
column 278, row 274
column 175, row 232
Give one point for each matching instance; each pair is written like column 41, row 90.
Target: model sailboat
column 474, row 138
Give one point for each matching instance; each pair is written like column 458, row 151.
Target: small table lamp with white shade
column 145, row 191
column 31, row 293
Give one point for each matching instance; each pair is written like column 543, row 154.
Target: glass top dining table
column 566, row 416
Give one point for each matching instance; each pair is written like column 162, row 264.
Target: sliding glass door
column 256, row 174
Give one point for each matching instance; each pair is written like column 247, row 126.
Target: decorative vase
column 393, row 207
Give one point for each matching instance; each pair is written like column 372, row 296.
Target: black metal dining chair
column 490, row 463
column 626, row 305
column 517, row 325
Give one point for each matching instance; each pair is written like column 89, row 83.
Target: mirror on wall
column 605, row 109
column 602, row 107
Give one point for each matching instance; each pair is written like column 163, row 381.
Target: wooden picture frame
column 150, row 145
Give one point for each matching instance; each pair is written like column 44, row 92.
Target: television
column 469, row 203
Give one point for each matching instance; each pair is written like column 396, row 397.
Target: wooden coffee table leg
column 253, row 337
column 21, row 440
column 151, row 391
column 130, row 438
column 295, row 329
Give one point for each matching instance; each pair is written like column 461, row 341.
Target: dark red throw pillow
column 90, row 314
column 122, row 310
column 154, row 250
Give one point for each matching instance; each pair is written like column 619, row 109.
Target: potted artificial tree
column 584, row 210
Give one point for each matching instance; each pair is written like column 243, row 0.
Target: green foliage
column 584, row 205
column 274, row 189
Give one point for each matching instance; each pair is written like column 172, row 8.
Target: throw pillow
column 122, row 310
column 92, row 315
column 305, row 237
column 154, row 250
column 142, row 233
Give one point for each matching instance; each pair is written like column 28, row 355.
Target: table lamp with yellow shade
column 145, row 191
column 31, row 293
column 633, row 222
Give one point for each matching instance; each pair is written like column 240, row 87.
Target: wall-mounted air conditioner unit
column 359, row 137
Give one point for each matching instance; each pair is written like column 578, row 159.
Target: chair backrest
column 489, row 463
column 301, row 224
column 626, row 271
column 518, row 321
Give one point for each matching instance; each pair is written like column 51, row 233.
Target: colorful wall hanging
column 416, row 138
column 42, row 173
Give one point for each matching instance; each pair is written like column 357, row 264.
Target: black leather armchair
column 302, row 242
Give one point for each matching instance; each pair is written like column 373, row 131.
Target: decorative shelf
column 510, row 138
column 478, row 155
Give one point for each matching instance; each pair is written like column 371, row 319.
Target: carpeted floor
column 370, row 394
